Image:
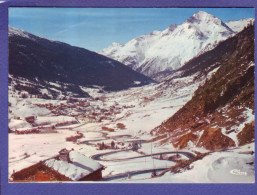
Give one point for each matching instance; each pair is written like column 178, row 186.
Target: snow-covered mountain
column 238, row 25
column 169, row 49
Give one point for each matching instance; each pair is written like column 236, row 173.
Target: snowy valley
column 196, row 125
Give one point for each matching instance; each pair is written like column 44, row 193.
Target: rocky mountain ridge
column 221, row 112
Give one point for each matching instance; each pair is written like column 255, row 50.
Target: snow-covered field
column 219, row 167
column 122, row 117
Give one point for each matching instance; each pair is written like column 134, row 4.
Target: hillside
column 36, row 58
column 221, row 112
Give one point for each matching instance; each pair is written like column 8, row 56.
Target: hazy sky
column 97, row 28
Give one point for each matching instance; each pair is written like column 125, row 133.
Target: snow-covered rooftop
column 78, row 167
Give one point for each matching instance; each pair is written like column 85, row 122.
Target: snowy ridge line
column 198, row 34
column 238, row 25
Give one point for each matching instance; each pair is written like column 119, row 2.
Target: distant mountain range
column 168, row 50
column 37, row 58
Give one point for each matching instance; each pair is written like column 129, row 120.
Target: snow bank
column 18, row 124
column 55, row 120
column 25, row 107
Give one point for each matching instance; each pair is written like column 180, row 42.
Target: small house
column 134, row 146
column 69, row 165
column 30, row 119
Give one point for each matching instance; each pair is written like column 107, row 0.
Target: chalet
column 30, row 119
column 134, row 146
column 69, row 165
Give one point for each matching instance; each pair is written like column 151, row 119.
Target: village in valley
column 186, row 116
column 111, row 132
column 102, row 127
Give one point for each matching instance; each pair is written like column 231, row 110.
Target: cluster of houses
column 84, row 110
column 87, row 110
column 27, row 131
column 97, row 114
column 134, row 145
column 70, row 108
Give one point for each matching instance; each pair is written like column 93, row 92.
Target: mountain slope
column 221, row 112
column 33, row 57
column 238, row 25
column 170, row 49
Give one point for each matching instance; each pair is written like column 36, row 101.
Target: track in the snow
column 98, row 156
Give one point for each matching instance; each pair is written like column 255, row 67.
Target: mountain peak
column 202, row 18
column 202, row 13
column 205, row 17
